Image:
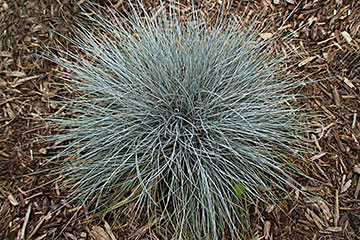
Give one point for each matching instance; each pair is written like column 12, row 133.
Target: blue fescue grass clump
column 178, row 119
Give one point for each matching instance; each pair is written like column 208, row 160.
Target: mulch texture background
column 328, row 40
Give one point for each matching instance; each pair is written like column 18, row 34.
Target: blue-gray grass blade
column 183, row 120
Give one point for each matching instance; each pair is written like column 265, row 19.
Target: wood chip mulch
column 328, row 40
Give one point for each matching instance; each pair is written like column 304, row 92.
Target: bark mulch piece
column 328, row 40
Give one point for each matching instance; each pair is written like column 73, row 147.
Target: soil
column 327, row 41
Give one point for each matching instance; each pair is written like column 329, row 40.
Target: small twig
column 336, row 214
column 22, row 236
column 316, row 142
column 267, row 230
column 42, row 219
column 337, row 138
column 353, row 124
column 141, row 231
column 331, row 115
column 336, row 97
column 109, row 231
column 356, row 194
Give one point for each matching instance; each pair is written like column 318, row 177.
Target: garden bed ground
column 329, row 42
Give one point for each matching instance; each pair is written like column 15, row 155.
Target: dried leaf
column 346, row 186
column 347, row 36
column 349, row 83
column 12, row 200
column 99, row 233
column 334, row 229
column 325, row 209
column 306, row 61
column 17, row 74
column 357, row 168
column 317, row 156
column 266, row 36
column 312, row 19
